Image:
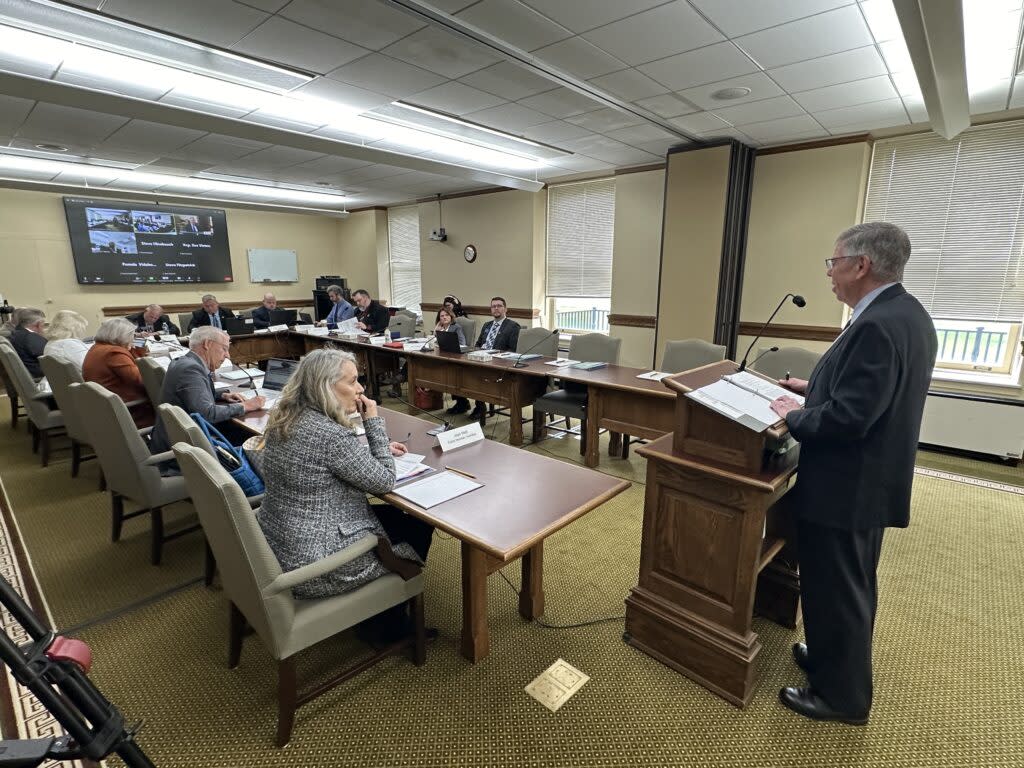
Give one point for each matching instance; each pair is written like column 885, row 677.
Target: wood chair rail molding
column 475, row 310
column 130, row 309
column 798, row 332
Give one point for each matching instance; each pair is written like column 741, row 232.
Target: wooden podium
column 714, row 547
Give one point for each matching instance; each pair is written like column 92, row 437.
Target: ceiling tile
column 369, row 24
column 581, row 15
column 639, row 135
column 561, row 102
column 441, row 52
column 578, row 57
column 739, row 17
column 294, row 45
column 801, row 126
column 821, row 35
column 663, row 31
column 349, row 95
column 508, row 80
column 667, row 105
column 55, row 123
column 221, row 22
column 629, row 84
column 760, row 111
column 847, row 94
column 152, row 137
column 879, row 114
column 603, row 120
column 555, row 132
column 701, row 121
column 760, row 85
column 704, row 65
column 13, row 112
column 856, row 64
column 511, row 118
column 455, row 98
column 382, row 74
column 514, row 23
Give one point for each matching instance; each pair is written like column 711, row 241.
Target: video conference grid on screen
column 131, row 243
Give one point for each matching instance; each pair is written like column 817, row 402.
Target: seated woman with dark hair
column 110, row 362
column 318, row 473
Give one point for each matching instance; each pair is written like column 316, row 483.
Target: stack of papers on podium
column 744, row 398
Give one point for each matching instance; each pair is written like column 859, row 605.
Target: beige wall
column 36, row 268
column 691, row 253
column 639, row 199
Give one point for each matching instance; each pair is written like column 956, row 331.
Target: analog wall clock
column 470, row 254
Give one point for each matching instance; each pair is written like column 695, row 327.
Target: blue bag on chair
column 232, row 459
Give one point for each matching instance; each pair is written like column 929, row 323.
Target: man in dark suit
column 211, row 313
column 261, row 315
column 858, row 430
column 501, row 334
column 152, row 320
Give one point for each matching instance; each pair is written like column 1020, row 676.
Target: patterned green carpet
column 948, row 659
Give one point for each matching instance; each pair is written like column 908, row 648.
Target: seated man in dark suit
column 373, row 316
column 501, row 334
column 152, row 320
column 189, row 385
column 28, row 339
column 261, row 315
column 211, row 313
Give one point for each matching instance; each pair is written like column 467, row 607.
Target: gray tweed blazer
column 316, row 503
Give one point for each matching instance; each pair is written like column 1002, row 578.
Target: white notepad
column 437, row 489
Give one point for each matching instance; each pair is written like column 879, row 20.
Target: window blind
column 581, row 227
column 962, row 203
column 404, row 250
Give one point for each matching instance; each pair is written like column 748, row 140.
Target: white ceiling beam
column 53, row 92
column 934, row 31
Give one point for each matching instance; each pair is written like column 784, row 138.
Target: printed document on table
column 437, row 489
column 743, row 407
column 769, row 390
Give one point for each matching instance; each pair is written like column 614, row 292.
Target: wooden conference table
column 617, row 400
column 524, row 499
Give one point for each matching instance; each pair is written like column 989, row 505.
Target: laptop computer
column 282, row 316
column 448, row 341
column 237, row 326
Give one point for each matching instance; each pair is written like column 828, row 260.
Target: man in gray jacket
column 189, row 385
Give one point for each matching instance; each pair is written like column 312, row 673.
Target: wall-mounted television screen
column 122, row 243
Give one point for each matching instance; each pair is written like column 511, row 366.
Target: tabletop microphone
column 446, row 424
column 797, row 299
column 519, row 360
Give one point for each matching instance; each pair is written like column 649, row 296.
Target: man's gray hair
column 336, row 289
column 30, row 316
column 204, row 333
column 209, row 297
column 885, row 244
column 117, row 331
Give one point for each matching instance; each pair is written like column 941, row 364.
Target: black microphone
column 798, row 300
column 446, row 424
column 770, row 349
column 519, row 360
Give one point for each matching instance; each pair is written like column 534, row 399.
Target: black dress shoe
column 806, row 702
column 800, row 656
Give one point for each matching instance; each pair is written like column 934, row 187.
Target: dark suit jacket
column 507, row 338
column 188, row 385
column 859, row 426
column 261, row 317
column 29, row 346
column 199, row 317
column 140, row 323
column 376, row 317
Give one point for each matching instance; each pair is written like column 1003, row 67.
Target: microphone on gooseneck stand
column 519, row 360
column 798, row 300
column 770, row 349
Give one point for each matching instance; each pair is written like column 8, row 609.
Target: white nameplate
column 276, row 328
column 456, row 438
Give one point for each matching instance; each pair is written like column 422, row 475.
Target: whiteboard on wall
column 273, row 265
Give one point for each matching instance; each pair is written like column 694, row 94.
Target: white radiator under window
column 968, row 423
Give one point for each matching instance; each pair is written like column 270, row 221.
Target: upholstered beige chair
column 570, row 401
column 260, row 593
column 43, row 420
column 132, row 472
column 795, row 361
column 61, row 374
column 690, row 353
column 152, row 378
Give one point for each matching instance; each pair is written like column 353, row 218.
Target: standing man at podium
column 858, row 432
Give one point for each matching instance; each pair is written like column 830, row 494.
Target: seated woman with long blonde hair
column 318, row 473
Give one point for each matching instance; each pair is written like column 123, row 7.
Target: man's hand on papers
column 794, row 385
column 785, row 404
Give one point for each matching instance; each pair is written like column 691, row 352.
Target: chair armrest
column 133, row 403
column 159, row 458
column 255, row 501
column 320, row 567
